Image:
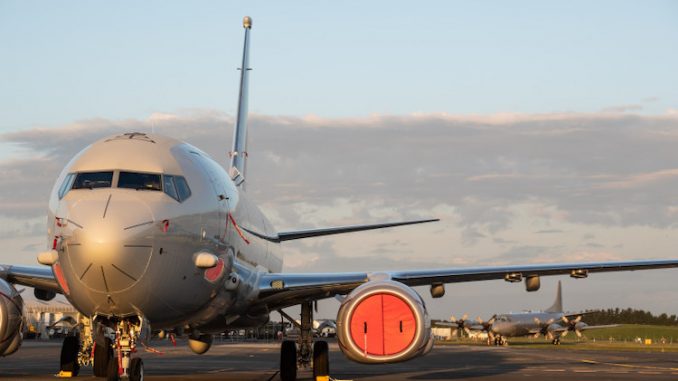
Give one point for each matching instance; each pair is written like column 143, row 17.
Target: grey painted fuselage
column 128, row 252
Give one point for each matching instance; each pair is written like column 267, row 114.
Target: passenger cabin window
column 91, row 180
column 176, row 187
column 140, row 181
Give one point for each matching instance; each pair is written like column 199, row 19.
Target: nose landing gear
column 304, row 353
column 108, row 348
column 127, row 368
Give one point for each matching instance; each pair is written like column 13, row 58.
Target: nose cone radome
column 110, row 250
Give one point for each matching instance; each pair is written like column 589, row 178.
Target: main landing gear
column 304, row 353
column 109, row 354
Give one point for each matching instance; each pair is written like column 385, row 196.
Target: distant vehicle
column 552, row 323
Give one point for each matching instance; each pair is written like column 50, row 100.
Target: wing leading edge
column 33, row 276
column 299, row 234
column 280, row 290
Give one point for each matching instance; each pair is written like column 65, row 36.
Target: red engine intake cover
column 383, row 321
column 383, row 324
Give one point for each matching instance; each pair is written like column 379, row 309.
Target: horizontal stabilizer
column 298, row 234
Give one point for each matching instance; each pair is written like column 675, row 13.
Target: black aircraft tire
column 321, row 359
column 288, row 361
column 136, row 370
column 69, row 355
column 103, row 354
column 112, row 370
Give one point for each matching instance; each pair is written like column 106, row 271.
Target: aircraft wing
column 585, row 328
column 33, row 276
column 280, row 290
column 309, row 233
column 599, row 327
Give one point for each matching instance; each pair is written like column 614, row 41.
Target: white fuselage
column 130, row 251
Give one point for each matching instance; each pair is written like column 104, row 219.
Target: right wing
column 33, row 276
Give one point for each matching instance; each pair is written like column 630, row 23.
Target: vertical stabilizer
column 558, row 304
column 238, row 153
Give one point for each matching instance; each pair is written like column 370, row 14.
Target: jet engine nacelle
column 383, row 322
column 11, row 319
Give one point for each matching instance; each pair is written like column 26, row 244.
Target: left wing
column 280, row 290
column 33, row 276
column 309, row 233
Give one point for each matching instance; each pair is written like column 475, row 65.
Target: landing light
column 48, row 258
column 205, row 260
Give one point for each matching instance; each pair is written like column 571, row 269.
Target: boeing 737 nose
column 110, row 246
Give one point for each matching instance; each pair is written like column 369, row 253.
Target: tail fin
column 558, row 304
column 238, row 153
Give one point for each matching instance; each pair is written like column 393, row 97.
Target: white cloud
column 510, row 188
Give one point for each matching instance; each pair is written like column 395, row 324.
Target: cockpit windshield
column 140, row 181
column 91, row 180
column 174, row 186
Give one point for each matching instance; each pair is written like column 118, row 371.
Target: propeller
column 487, row 326
column 462, row 325
column 544, row 328
column 574, row 325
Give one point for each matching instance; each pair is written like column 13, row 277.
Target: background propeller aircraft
column 552, row 322
column 146, row 232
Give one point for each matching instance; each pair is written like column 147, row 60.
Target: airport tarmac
column 259, row 361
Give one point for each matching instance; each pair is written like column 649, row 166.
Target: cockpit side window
column 91, row 180
column 168, row 186
column 183, row 190
column 176, row 187
column 66, row 185
column 140, row 181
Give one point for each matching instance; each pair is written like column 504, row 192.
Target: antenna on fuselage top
column 238, row 153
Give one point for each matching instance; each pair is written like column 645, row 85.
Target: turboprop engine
column 383, row 322
column 11, row 319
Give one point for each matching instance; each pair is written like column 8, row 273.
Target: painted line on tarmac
column 593, row 362
column 274, row 374
column 224, row 370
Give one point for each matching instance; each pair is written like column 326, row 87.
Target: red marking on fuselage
column 215, row 272
column 237, row 228
column 59, row 275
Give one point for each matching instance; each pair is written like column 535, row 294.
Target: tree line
column 627, row 316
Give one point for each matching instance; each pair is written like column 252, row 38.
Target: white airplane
column 147, row 231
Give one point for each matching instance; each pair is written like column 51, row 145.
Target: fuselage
column 525, row 323
column 127, row 216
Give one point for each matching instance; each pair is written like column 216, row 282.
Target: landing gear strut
column 304, row 353
column 126, row 336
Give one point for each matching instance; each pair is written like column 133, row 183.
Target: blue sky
column 67, row 61
column 537, row 131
